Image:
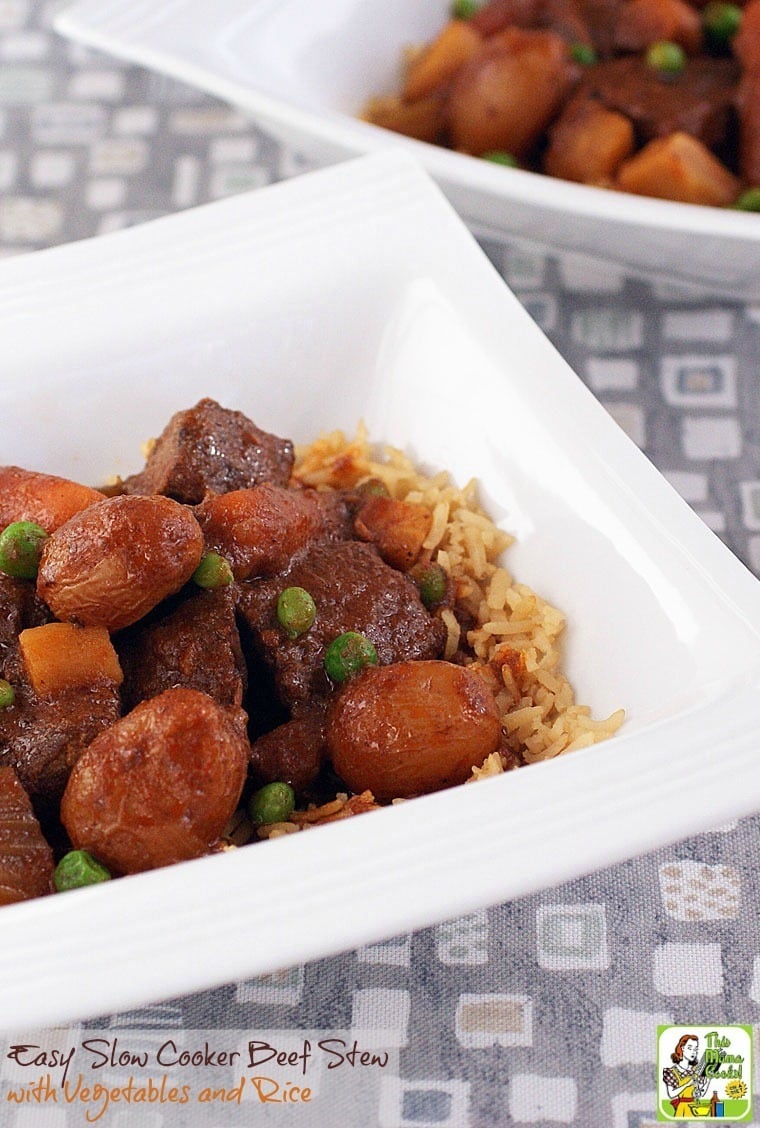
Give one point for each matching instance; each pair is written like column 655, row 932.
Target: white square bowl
column 355, row 293
column 304, row 70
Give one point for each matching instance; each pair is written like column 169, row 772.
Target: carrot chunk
column 437, row 63
column 61, row 656
column 679, row 167
column 588, row 143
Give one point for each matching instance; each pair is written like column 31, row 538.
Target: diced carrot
column 397, row 529
column 588, row 143
column 437, row 64
column 678, row 167
column 49, row 501
column 61, row 656
column 643, row 22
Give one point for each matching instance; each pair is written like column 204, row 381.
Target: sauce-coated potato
column 110, row 564
column 507, row 95
column 49, row 501
column 411, row 727
column 258, row 530
column 159, row 786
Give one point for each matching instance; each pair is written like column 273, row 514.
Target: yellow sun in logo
column 736, row 1089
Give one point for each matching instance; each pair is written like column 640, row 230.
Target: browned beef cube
column 567, row 18
column 42, row 739
column 19, row 608
column 698, row 101
column 26, row 860
column 337, row 513
column 496, row 15
column 210, row 449
column 354, row 590
column 293, row 752
column 194, row 644
column 601, row 17
column 748, row 101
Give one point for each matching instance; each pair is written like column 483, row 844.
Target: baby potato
column 259, row 530
column 158, row 786
column 49, row 501
column 506, row 96
column 110, row 564
column 411, row 727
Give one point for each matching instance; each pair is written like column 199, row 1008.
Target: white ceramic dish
column 305, row 69
column 352, row 293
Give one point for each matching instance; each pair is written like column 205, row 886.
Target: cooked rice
column 516, row 643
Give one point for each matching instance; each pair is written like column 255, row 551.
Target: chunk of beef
column 748, row 102
column 567, row 18
column 354, row 590
column 293, row 752
column 601, row 18
column 26, row 860
column 19, row 608
column 210, row 449
column 496, row 15
column 336, row 507
column 698, row 101
column 643, row 22
column 194, row 644
column 43, row 738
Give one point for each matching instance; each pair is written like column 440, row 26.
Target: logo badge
column 704, row 1073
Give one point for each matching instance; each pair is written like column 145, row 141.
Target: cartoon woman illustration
column 684, row 1080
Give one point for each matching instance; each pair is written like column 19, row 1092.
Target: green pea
column 348, row 654
column 21, row 546
column 749, row 200
column 721, row 23
column 464, row 9
column 498, row 156
column 373, row 487
column 272, row 803
column 7, row 694
column 213, row 571
column 666, row 57
column 78, row 868
column 584, row 54
column 296, row 610
column 431, row 580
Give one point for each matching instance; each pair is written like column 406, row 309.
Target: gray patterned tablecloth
column 540, row 1011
